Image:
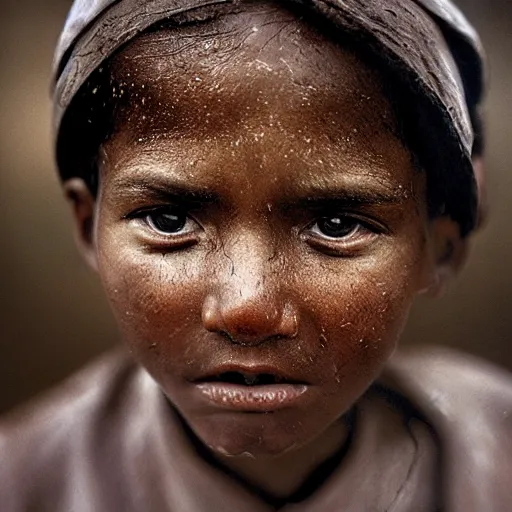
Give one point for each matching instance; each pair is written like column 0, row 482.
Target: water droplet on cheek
column 336, row 373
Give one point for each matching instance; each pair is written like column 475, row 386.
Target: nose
column 248, row 305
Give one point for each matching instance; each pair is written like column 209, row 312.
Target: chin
column 254, row 435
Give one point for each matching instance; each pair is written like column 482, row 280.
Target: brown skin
column 275, row 129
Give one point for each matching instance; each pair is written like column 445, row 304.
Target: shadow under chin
column 247, row 435
column 246, row 444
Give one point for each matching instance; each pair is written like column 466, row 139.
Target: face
column 260, row 231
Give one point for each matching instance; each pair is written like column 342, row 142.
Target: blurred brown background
column 52, row 313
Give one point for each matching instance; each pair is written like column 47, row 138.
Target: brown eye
column 341, row 235
column 337, row 226
column 167, row 221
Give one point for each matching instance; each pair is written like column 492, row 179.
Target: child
column 264, row 187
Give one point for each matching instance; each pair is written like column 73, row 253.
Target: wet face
column 260, row 231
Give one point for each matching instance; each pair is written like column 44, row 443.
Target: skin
column 255, row 130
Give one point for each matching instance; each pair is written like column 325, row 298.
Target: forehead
column 264, row 50
column 263, row 36
column 248, row 78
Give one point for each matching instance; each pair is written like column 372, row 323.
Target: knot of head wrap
column 428, row 42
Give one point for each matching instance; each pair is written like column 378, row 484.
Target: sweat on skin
column 257, row 211
column 264, row 188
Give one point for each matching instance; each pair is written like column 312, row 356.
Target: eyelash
column 356, row 238
column 362, row 233
column 182, row 237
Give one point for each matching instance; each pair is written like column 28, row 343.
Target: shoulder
column 468, row 404
column 70, row 403
column 453, row 382
column 41, row 442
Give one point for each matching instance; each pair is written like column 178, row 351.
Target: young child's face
column 257, row 217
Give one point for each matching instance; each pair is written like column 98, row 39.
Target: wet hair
column 91, row 118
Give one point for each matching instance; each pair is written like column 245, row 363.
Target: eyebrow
column 162, row 190
column 179, row 190
column 350, row 196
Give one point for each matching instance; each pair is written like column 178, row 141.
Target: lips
column 250, row 389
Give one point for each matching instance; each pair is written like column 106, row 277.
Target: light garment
column 433, row 434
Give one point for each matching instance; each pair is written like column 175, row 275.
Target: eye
column 340, row 234
column 167, row 221
column 170, row 224
column 166, row 227
column 337, row 226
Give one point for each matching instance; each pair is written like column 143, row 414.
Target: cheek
column 155, row 298
column 360, row 308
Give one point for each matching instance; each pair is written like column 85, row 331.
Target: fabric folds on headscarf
column 428, row 41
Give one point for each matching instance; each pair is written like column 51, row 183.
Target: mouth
column 249, row 379
column 250, row 390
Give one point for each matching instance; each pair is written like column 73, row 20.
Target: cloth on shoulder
column 433, row 433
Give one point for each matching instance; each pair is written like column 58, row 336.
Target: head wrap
column 429, row 43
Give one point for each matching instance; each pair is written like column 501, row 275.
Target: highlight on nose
column 249, row 322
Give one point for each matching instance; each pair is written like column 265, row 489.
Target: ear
column 83, row 205
column 448, row 254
